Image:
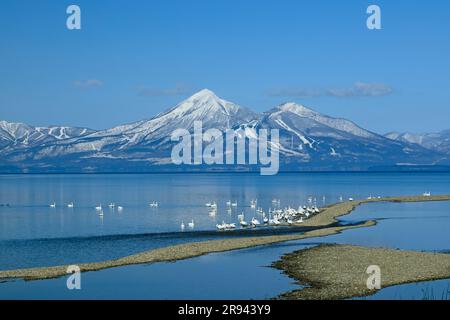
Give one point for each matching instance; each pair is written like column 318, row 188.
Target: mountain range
column 439, row 141
column 309, row 141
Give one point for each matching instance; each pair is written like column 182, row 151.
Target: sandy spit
column 173, row 253
column 329, row 214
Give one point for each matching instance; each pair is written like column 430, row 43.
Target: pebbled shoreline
column 332, row 272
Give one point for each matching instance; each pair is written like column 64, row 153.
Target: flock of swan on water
column 276, row 216
column 99, row 208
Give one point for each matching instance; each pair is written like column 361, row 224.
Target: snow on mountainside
column 203, row 106
column 150, row 139
column 308, row 139
column 314, row 138
column 406, row 137
column 334, row 123
column 20, row 135
column 439, row 141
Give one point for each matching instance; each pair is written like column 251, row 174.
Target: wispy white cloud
column 90, row 83
column 362, row 89
column 358, row 89
column 156, row 92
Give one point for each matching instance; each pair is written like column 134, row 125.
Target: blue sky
column 133, row 59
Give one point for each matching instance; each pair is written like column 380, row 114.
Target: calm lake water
column 33, row 234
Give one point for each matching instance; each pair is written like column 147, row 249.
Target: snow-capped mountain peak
column 203, row 94
column 297, row 109
column 313, row 118
column 18, row 135
column 202, row 103
column 14, row 129
column 406, row 137
column 204, row 106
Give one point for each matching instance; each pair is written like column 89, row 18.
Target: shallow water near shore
column 32, row 234
column 242, row 274
column 428, row 290
column 405, row 226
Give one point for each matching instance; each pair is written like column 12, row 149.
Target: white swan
column 191, row 224
column 225, row 226
column 154, row 204
column 243, row 223
column 53, row 205
column 70, row 205
column 99, row 208
column 220, row 227
column 255, row 222
column 274, row 222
